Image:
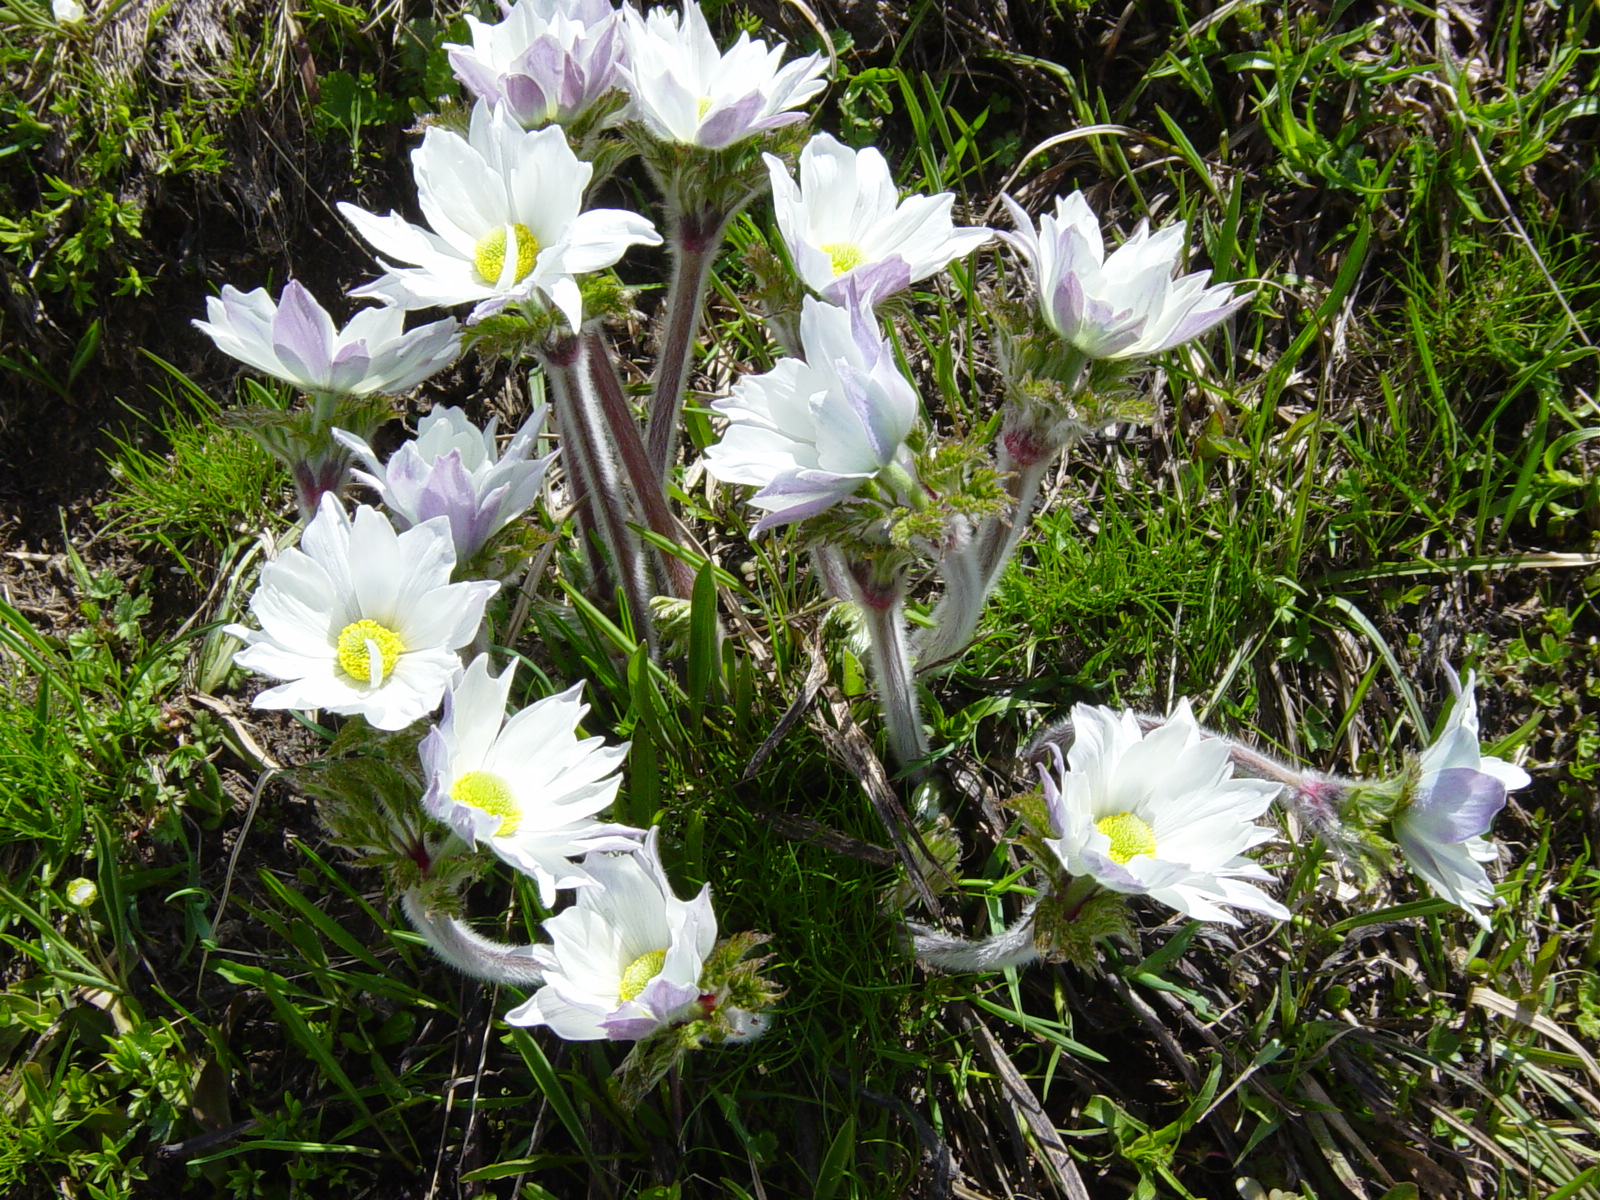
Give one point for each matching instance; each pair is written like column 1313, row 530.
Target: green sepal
column 735, row 980
column 1066, row 924
column 369, row 796
column 515, row 333
column 649, row 1061
column 694, row 179
column 1035, row 814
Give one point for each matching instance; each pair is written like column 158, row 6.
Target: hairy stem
column 466, row 951
column 649, row 485
column 695, row 239
column 882, row 602
column 577, row 411
column 971, row 572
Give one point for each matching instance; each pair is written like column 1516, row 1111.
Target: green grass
column 1387, row 461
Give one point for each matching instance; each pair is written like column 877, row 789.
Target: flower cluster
column 379, row 616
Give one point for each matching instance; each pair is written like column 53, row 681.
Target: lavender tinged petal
column 795, row 512
column 528, row 100
column 478, row 78
column 735, row 121
column 864, row 287
column 1460, row 803
column 302, row 333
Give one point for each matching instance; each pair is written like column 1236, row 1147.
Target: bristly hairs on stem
column 467, row 951
column 580, row 418
column 1011, row 947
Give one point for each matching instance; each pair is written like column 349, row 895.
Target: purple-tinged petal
column 731, row 123
column 302, row 333
column 1458, row 803
column 865, row 286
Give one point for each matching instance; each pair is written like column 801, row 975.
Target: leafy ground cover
column 1387, row 464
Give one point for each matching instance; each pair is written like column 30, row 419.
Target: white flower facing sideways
column 1127, row 305
column 810, row 433
column 686, row 90
column 360, row 620
column 548, row 60
column 527, row 787
column 846, row 227
column 453, row 469
column 296, row 340
column 1159, row 814
column 625, row 960
column 506, row 226
column 1460, row 792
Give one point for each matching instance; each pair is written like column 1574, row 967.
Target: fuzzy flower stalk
column 1129, row 812
column 1093, row 316
column 698, row 111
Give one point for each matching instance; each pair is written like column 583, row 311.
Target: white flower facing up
column 527, row 787
column 504, row 206
column 296, row 340
column 453, row 469
column 1159, row 814
column 1127, row 305
column 686, row 90
column 358, row 619
column 549, row 60
column 1456, row 800
column 847, row 229
column 810, row 433
column 625, row 959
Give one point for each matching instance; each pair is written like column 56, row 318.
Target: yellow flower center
column 702, row 108
column 488, row 793
column 358, row 640
column 1129, row 835
column 640, row 972
column 845, row 256
column 489, row 255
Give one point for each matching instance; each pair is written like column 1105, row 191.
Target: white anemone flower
column 504, row 207
column 1159, row 814
column 1457, row 798
column 847, row 228
column 296, row 340
column 810, row 433
column 625, row 959
column 1127, row 305
column 454, row 469
column 358, row 619
column 687, row 91
column 527, row 787
column 549, row 60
